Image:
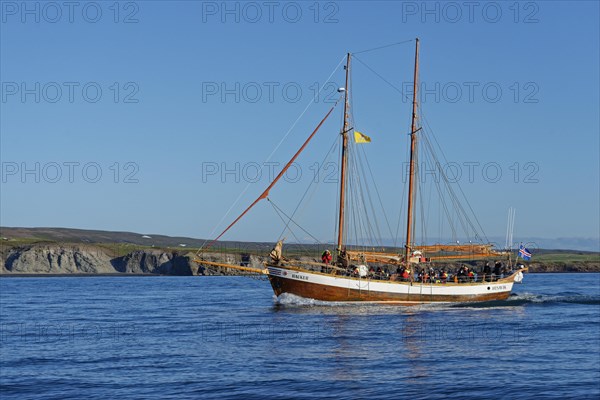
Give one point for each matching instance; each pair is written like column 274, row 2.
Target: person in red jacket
column 326, row 257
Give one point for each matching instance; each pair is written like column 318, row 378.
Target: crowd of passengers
column 464, row 274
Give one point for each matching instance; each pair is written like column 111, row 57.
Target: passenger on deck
column 386, row 273
column 277, row 253
column 497, row 267
column 326, row 257
column 343, row 259
column 487, row 271
column 444, row 276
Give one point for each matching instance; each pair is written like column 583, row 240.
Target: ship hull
column 326, row 287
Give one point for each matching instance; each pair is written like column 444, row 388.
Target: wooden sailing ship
column 350, row 277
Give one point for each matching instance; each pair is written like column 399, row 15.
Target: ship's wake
column 520, row 299
column 562, row 297
column 289, row 299
column 536, row 299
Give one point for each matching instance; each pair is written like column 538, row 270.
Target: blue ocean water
column 227, row 337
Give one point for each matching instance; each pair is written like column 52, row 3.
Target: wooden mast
column 413, row 144
column 344, row 162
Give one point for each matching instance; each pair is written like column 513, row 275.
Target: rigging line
column 384, row 46
column 311, row 193
column 461, row 191
column 367, row 189
column 459, row 186
column 462, row 215
column 441, row 192
column 381, row 77
column 440, row 219
column 265, row 194
column 421, row 193
column 431, row 154
column 273, row 152
column 349, row 216
column 337, row 193
column 372, row 228
column 333, row 145
column 429, row 194
column 403, row 197
column 439, row 187
column 294, row 222
column 362, row 186
column 378, row 195
column 348, row 203
column 360, row 209
column 292, row 232
column 353, row 202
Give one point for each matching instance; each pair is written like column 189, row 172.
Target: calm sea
column 226, row 337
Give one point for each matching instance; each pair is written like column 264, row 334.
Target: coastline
column 108, row 260
column 58, row 252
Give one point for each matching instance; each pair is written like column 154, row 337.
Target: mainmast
column 413, row 145
column 344, row 161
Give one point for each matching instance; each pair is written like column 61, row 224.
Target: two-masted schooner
column 350, row 276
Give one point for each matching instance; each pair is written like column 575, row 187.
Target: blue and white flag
column 524, row 253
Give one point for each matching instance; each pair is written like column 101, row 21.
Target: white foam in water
column 534, row 298
column 570, row 297
column 289, row 299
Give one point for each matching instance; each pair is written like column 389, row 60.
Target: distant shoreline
column 59, row 252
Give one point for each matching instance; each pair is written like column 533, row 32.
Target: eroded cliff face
column 155, row 262
column 76, row 259
column 56, row 259
column 90, row 259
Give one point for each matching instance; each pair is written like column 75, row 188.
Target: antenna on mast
column 510, row 226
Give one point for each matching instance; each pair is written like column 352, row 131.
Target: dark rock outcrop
column 56, row 259
column 89, row 259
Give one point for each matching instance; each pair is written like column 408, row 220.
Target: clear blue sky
column 163, row 118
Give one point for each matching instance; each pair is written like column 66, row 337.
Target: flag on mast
column 361, row 137
column 524, row 253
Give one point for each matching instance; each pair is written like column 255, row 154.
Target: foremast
column 344, row 161
column 411, row 177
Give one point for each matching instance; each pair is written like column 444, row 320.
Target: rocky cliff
column 90, row 259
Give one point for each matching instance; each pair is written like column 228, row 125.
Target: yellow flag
column 361, row 137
